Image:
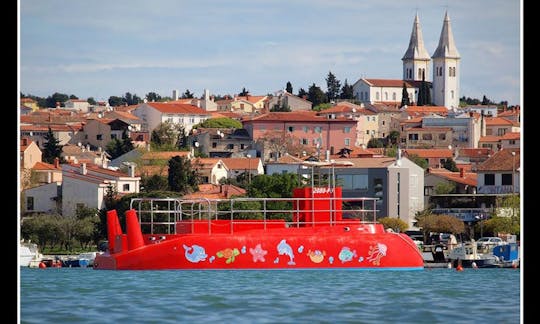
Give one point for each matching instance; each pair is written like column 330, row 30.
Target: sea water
column 78, row 295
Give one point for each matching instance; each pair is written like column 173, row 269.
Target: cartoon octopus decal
column 376, row 253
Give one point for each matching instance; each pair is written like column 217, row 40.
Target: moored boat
column 316, row 229
column 29, row 255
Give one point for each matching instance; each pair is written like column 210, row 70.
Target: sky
column 104, row 48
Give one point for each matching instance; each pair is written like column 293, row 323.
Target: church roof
column 447, row 48
column 416, row 50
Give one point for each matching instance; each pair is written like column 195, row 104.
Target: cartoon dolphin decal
column 285, row 249
column 195, row 253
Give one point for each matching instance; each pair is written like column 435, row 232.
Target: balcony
column 506, row 189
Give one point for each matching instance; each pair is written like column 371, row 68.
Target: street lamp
column 249, row 168
column 481, row 219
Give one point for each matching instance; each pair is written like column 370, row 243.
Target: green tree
column 283, row 107
column 115, row 101
column 153, row 97
column 244, row 92
column 444, row 187
column 418, row 160
column 187, row 94
column 167, row 136
column 182, row 177
column 116, row 147
column 52, row 149
column 393, row 137
column 131, row 99
column 396, row 224
column 56, row 97
column 91, row 101
column 322, row 106
column 155, row 183
column 289, row 87
column 450, row 164
column 316, row 95
column 302, row 93
column 220, row 122
column 73, row 97
column 429, row 222
column 333, row 85
column 375, row 142
column 405, row 96
column 346, row 91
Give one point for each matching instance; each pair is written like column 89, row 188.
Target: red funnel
column 134, row 234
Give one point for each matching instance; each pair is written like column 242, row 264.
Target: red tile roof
column 213, row 191
column 173, row 108
column 511, row 136
column 475, row 152
column 389, row 83
column 251, row 99
column 498, row 121
column 44, row 166
column 429, row 153
column 242, row 163
column 430, row 129
column 502, row 161
column 469, row 178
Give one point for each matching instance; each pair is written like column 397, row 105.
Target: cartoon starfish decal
column 258, row 253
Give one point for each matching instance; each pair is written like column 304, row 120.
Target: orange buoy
column 42, row 265
column 459, row 268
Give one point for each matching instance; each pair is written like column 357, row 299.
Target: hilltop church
column 416, row 67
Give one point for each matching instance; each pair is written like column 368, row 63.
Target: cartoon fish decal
column 346, row 255
column 195, row 253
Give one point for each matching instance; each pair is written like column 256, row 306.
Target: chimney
column 56, row 163
column 83, row 168
column 104, row 162
column 175, row 95
column 131, row 170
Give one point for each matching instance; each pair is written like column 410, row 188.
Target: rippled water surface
column 78, row 295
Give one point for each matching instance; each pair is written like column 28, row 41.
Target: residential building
column 43, row 198
column 29, row 103
column 30, row 153
column 154, row 113
column 466, row 128
column 500, row 173
column 367, row 124
column 284, row 164
column 86, row 185
column 47, row 173
column 283, row 98
column 77, row 104
column 429, row 137
column 84, row 154
column 101, row 131
column 64, row 133
column 463, row 182
column 498, row 126
column 252, row 166
column 222, row 142
column 385, row 91
column 435, row 158
column 210, row 170
column 296, row 132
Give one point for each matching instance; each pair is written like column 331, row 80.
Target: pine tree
column 404, row 96
column 347, row 91
column 51, row 149
column 289, row 88
column 332, row 85
column 182, row 178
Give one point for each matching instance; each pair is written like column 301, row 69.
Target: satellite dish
column 79, row 144
column 196, row 144
column 100, row 115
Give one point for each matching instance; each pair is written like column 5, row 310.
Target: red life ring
column 42, row 265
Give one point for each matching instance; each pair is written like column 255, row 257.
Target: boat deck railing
column 172, row 215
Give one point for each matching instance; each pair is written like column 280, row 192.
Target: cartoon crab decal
column 376, row 252
column 316, row 256
column 228, row 254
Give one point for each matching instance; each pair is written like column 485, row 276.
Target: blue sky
column 102, row 48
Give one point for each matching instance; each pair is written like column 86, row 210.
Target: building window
column 29, row 203
column 85, row 136
column 367, row 132
column 512, row 142
column 372, row 132
column 113, row 136
column 230, row 146
column 386, row 96
column 452, row 94
column 347, row 142
column 426, row 137
column 219, row 166
column 489, row 179
column 428, row 190
column 383, row 122
column 306, row 129
column 506, row 179
column 290, row 129
column 501, row 131
column 383, row 135
column 361, row 95
column 394, row 96
column 377, row 95
column 318, row 129
column 214, row 144
column 346, row 130
column 170, row 120
column 99, row 137
column 442, row 136
column 242, row 146
column 125, row 187
column 304, row 141
column 413, row 137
